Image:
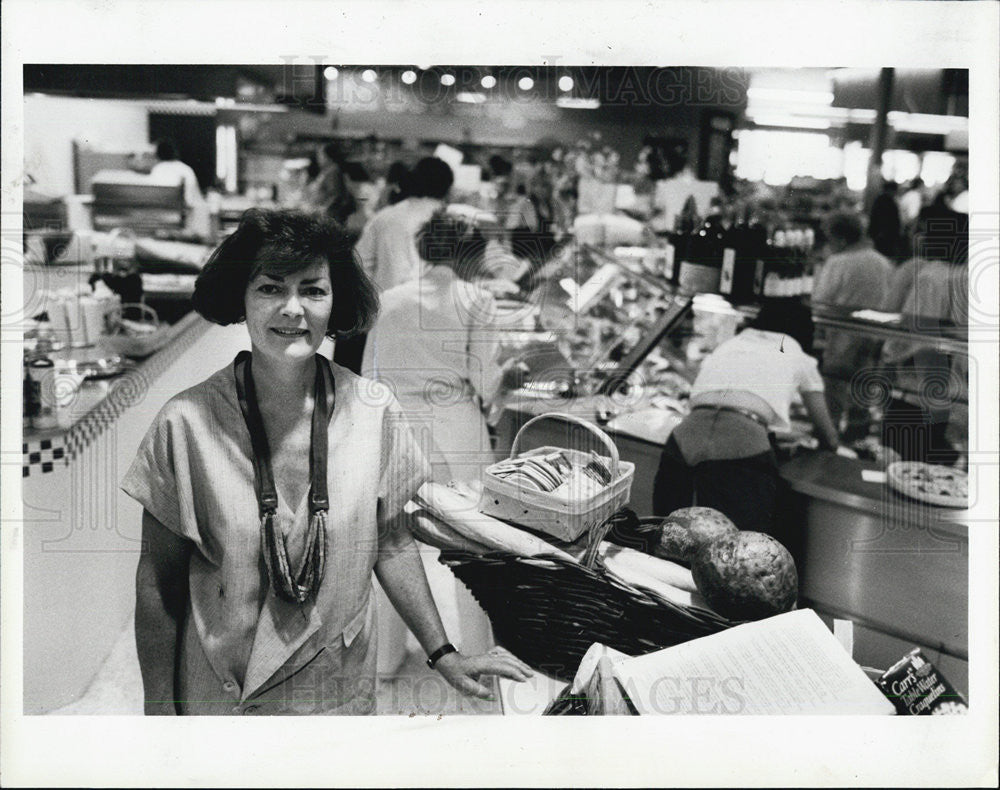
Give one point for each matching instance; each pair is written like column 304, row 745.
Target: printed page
column 788, row 664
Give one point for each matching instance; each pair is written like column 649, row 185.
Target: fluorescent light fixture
column 489, row 81
column 330, row 73
column 525, row 83
column 790, row 95
column 447, row 80
column 566, row 83
column 791, row 121
column 570, row 103
column 927, row 124
column 470, row 97
column 369, row 75
column 409, row 76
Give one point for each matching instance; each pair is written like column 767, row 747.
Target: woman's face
column 287, row 315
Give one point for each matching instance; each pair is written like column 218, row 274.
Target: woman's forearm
column 161, row 598
column 401, row 573
column 157, row 631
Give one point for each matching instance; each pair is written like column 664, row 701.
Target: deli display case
column 608, row 339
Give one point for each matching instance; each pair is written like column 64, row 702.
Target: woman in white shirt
column 436, row 344
column 721, row 455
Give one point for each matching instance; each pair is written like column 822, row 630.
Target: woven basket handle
column 554, row 415
column 149, row 314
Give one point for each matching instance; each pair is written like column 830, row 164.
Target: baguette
column 462, row 514
column 434, row 532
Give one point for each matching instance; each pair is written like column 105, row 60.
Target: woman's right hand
column 465, row 672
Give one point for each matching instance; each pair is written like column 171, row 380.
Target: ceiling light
column 470, row 97
column 566, row 83
column 489, row 81
column 570, row 103
column 447, row 80
column 790, row 95
column 409, row 76
column 330, row 73
column 525, row 83
column 369, row 75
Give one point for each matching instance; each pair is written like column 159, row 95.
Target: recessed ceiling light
column 566, row 83
column 330, row 73
column 447, row 79
column 369, row 75
column 525, row 83
column 409, row 76
column 489, row 81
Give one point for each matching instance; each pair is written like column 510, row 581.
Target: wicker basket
column 549, row 612
column 134, row 345
column 541, row 510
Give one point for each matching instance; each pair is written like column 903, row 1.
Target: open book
column 790, row 664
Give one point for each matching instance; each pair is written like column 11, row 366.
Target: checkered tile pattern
column 43, row 456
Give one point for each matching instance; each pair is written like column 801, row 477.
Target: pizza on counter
column 931, row 483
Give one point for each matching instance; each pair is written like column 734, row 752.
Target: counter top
column 99, row 402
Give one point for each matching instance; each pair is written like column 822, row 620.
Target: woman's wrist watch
column 440, row 653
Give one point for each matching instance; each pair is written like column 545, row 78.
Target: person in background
column 393, row 190
column 388, row 247
column 362, row 191
column 169, row 168
column 254, row 585
column 884, row 224
column 436, row 345
column 854, row 276
column 930, row 289
column 721, row 455
column 328, row 192
column 911, row 202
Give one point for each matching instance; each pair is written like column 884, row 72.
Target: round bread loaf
column 746, row 576
column 687, row 530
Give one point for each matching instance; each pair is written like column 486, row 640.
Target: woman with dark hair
column 435, row 345
column 272, row 490
column 721, row 454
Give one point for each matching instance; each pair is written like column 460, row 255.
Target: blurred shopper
column 394, row 188
column 721, row 454
column 436, row 345
column 328, row 192
column 930, row 290
column 854, row 276
column 885, row 225
column 169, row 168
column 387, row 248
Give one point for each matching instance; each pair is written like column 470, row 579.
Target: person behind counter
column 271, row 492
column 856, row 276
column 931, row 288
column 720, row 455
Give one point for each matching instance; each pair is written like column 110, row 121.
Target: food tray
column 548, row 512
column 548, row 612
column 898, row 476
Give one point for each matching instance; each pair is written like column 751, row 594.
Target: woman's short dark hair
column 431, row 177
column 452, row 241
column 284, row 242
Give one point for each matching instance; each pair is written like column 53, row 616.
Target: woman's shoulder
column 207, row 396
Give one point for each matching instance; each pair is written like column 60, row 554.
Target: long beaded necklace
column 305, row 582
